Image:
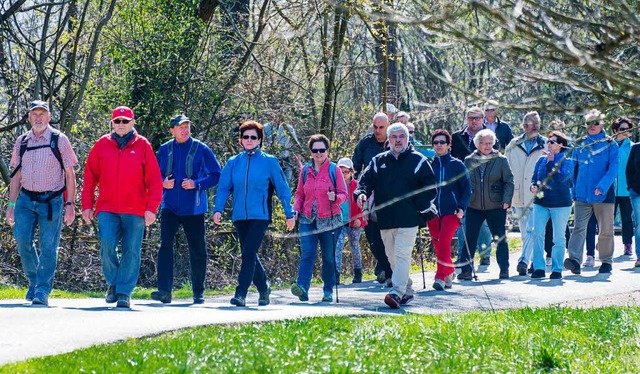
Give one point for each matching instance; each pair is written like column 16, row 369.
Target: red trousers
column 442, row 230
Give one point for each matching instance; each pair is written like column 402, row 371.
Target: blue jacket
column 623, row 157
column 597, row 166
column 556, row 191
column 252, row 178
column 206, row 173
column 453, row 186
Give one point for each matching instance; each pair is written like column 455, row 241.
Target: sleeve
column 536, row 171
column 161, row 157
column 212, row 170
column 507, row 180
column 91, row 178
column 69, row 158
column 564, row 173
column 630, row 171
column 225, row 186
column 367, row 181
column 15, row 155
column 152, row 179
column 299, row 198
column 357, row 159
column 464, row 187
column 282, row 188
column 612, row 168
column 427, row 179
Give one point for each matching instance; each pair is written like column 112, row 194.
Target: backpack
column 53, row 144
column 332, row 173
column 189, row 162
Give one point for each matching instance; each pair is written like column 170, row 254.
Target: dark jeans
column 592, row 231
column 624, row 202
column 496, row 219
column 193, row 227
column 548, row 238
column 250, row 234
column 372, row 232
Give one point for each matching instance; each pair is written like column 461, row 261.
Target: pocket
column 495, row 192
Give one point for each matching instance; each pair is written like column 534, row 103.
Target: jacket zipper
column 246, row 188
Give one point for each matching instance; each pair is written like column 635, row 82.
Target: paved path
column 70, row 324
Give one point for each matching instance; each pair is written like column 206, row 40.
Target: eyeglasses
column 318, row 150
column 594, row 123
column 412, row 132
column 551, row 141
column 439, row 142
column 119, row 121
column 252, row 137
column 490, row 110
column 623, row 128
column 475, row 118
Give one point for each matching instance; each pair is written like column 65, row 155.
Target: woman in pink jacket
column 317, row 204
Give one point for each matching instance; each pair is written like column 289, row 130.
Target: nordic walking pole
column 466, row 244
column 333, row 242
column 421, row 250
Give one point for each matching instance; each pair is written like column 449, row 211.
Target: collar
column 251, row 152
column 46, row 134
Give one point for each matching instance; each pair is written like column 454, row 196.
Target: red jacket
column 316, row 188
column 129, row 180
column 355, row 212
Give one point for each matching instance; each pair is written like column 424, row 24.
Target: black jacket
column 503, row 133
column 408, row 178
column 633, row 169
column 366, row 149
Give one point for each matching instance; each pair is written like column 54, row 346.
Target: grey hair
column 486, row 133
column 531, row 116
column 380, row 116
column 398, row 126
column 403, row 114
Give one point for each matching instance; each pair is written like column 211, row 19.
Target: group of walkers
column 387, row 188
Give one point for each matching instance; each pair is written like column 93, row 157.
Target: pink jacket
column 316, row 188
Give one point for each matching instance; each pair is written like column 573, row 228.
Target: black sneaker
column 521, row 268
column 485, row 261
column 123, row 301
column 504, row 274
column 406, row 299
column 605, row 268
column 40, row 299
column 555, row 275
column 465, row 275
column 198, row 297
column 111, row 297
column 392, row 300
column 538, row 274
column 264, row 300
column 572, row 265
column 162, row 296
column 357, row 276
column 381, row 277
column 530, row 271
column 388, row 283
column 238, row 301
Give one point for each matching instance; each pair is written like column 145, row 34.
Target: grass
column 523, row 341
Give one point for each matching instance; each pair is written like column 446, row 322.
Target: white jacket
column 522, row 166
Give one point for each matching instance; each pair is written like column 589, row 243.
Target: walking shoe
column 302, row 294
column 111, row 297
column 555, row 275
column 465, row 275
column 264, row 300
column 637, row 263
column 123, row 301
column 627, row 250
column 485, row 261
column 237, row 301
column 162, row 296
column 572, row 265
column 589, row 262
column 548, row 261
column 521, row 268
column 31, row 291
column 388, row 283
column 40, row 299
column 448, row 280
column 538, row 274
column 327, row 297
column 605, row 268
column 406, row 299
column 392, row 300
column 438, row 284
column 530, row 271
column 504, row 274
column 198, row 298
column 357, row 276
column 381, row 277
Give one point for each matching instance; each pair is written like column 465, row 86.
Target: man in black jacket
column 369, row 146
column 492, row 122
column 404, row 187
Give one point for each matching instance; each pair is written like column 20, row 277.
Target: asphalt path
column 69, row 324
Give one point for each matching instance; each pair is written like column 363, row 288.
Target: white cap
column 346, row 162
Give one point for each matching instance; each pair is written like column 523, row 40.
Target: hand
column 216, row 218
column 533, row 189
column 361, row 200
column 597, row 192
column 505, row 205
column 459, row 213
column 69, row 214
column 87, row 215
column 9, row 216
column 168, row 183
column 291, row 223
column 356, row 223
column 188, row 184
column 550, row 155
column 149, row 218
column 331, row 195
column 296, row 215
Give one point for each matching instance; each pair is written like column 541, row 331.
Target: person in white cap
column 42, row 193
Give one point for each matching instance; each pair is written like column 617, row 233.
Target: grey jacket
column 493, row 188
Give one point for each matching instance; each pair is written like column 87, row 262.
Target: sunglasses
column 593, row 123
column 551, row 141
column 319, row 150
column 252, row 137
column 412, row 132
column 623, row 128
column 119, row 121
column 439, row 142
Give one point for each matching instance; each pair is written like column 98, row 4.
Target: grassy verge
column 527, row 340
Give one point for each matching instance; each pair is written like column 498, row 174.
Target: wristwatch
column 68, row 203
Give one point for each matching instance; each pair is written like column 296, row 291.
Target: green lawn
column 522, row 341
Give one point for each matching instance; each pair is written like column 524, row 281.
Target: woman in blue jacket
column 551, row 183
column 251, row 175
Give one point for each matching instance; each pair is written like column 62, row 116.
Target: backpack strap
column 190, row 156
column 53, row 144
column 169, row 169
column 23, row 149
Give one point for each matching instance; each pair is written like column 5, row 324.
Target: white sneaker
column 448, row 281
column 548, row 261
column 590, row 262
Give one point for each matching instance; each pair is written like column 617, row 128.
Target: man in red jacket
column 124, row 167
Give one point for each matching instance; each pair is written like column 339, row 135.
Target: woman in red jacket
column 317, row 204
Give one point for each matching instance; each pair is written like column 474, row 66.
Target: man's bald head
column 380, row 124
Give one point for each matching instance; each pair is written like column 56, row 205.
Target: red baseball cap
column 122, row 112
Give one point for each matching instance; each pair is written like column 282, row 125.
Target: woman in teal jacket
column 251, row 176
column 622, row 127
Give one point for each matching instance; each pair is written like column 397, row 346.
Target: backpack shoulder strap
column 53, row 143
column 169, row 168
column 23, row 148
column 190, row 156
column 332, row 175
column 305, row 170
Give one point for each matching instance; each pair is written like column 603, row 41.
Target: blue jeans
column 524, row 215
column 39, row 266
column 484, row 239
column 309, row 238
column 250, row 234
column 193, row 226
column 635, row 204
column 121, row 270
column 559, row 217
